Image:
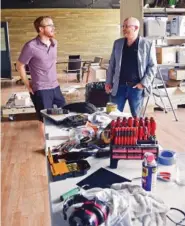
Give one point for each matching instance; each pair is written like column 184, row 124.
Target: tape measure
column 111, row 107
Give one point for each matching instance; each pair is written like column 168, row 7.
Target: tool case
column 62, row 169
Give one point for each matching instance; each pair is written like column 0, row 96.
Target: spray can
column 149, row 172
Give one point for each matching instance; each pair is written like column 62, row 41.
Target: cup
column 180, row 169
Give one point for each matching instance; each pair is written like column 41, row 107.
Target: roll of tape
column 167, row 157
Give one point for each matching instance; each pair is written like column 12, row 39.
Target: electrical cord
column 180, row 223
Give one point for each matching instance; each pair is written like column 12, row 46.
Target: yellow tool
column 61, row 167
column 57, row 168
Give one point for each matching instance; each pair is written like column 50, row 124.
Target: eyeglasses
column 127, row 26
column 49, row 25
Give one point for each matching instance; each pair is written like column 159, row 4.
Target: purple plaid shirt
column 41, row 60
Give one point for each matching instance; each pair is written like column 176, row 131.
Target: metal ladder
column 157, row 93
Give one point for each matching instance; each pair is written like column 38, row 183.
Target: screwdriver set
column 131, row 138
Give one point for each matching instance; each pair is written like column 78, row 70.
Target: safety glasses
column 178, row 219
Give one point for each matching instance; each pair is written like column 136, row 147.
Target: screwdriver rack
column 131, row 138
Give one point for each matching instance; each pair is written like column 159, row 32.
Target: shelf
column 171, row 65
column 167, row 37
column 164, row 10
column 175, row 37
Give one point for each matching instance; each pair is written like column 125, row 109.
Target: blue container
column 167, row 157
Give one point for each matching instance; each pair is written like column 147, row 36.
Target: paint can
column 110, row 107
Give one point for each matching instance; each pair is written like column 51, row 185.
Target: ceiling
column 105, row 4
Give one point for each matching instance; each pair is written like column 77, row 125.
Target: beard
column 125, row 34
column 49, row 34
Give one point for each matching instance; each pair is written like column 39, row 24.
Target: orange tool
column 152, row 127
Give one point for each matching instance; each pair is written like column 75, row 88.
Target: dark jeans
column 134, row 96
column 46, row 98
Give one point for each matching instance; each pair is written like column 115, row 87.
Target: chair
column 27, row 73
column 86, row 66
column 74, row 66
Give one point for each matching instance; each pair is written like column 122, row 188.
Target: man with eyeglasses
column 132, row 68
column 40, row 54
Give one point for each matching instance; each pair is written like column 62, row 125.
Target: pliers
column 164, row 176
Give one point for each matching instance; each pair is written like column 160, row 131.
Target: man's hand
column 21, row 69
column 29, row 87
column 139, row 86
column 108, row 88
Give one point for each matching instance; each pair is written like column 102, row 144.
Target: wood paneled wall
column 88, row 32
column 127, row 10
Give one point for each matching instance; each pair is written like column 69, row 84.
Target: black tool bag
column 95, row 94
column 81, row 107
column 74, row 121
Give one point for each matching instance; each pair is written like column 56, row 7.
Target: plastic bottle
column 172, row 3
column 149, row 172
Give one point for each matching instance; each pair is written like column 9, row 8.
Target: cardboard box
column 176, row 94
column 71, row 95
column 22, row 99
column 97, row 74
column 164, row 72
column 155, row 26
column 178, row 26
column 176, row 74
column 172, row 83
column 166, row 55
column 181, row 55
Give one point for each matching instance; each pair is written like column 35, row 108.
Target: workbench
column 169, row 192
column 11, row 109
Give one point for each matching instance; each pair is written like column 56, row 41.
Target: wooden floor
column 24, row 196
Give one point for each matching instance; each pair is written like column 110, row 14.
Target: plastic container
column 172, row 3
column 180, row 169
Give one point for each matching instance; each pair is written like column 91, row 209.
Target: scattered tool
column 164, row 176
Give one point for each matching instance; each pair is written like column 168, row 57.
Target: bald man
column 132, row 68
